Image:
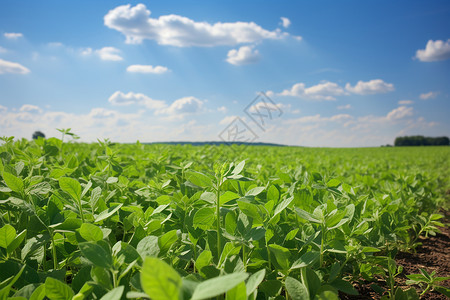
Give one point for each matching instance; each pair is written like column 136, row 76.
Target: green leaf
column 204, row 218
column 114, row 294
column 90, row 232
column 199, row 179
column 218, row 285
column 17, row 241
column 13, row 182
column 71, row 186
column 250, row 210
column 7, row 235
column 237, row 293
column 96, row 254
column 296, row 289
column 159, row 280
column 227, row 197
column 310, row 280
column 306, row 259
column 255, row 191
column 333, row 183
column 167, row 240
column 307, row 216
column 148, row 246
column 203, row 260
column 282, row 206
column 239, row 167
column 254, row 280
column 57, row 290
column 282, row 255
column 107, row 213
column 39, row 293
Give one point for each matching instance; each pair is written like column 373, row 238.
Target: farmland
column 118, row 221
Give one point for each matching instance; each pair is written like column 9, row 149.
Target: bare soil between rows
column 432, row 255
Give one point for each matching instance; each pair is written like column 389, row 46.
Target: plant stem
column 219, row 247
column 55, row 258
column 321, row 245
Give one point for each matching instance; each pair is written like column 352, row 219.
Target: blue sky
column 334, row 73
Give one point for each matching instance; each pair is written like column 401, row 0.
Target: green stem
column 55, row 258
column 322, row 244
column 81, row 210
column 219, row 234
column 244, row 257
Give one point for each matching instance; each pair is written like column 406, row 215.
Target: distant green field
column 118, row 221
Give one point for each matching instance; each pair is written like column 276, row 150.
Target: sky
column 307, row 73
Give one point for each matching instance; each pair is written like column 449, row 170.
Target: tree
column 419, row 140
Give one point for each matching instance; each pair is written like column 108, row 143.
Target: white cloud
column 3, row 50
column 147, row 69
column 434, row 51
column 399, row 113
column 405, row 102
column 375, row 86
column 102, row 113
column 12, row 35
column 119, row 98
column 109, row 53
column 55, row 44
column 243, row 56
column 30, row 108
column 185, row 105
column 135, row 23
column 222, row 109
column 227, row 120
column 429, row 95
column 3, row 108
column 347, row 106
column 322, row 91
column 86, row 51
column 12, row 67
column 285, row 22
column 319, row 119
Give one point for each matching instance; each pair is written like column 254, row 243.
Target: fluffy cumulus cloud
column 12, row 67
column 429, row 95
column 323, row 91
column 136, row 24
column 105, row 53
column 147, row 69
column 399, row 113
column 243, row 56
column 434, row 51
column 285, row 22
column 30, row 108
column 13, row 35
column 120, row 98
column 182, row 106
column 375, row 86
column 347, row 106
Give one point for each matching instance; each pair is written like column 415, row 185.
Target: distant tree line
column 419, row 140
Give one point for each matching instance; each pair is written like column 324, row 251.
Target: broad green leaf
column 296, row 289
column 39, row 293
column 96, row 254
column 227, row 197
column 17, row 241
column 167, row 240
column 310, row 280
column 237, row 293
column 7, row 235
column 199, row 179
column 281, row 254
column 250, row 210
column 107, row 213
column 254, row 280
column 57, row 290
column 203, row 260
column 282, row 206
column 239, row 167
column 333, row 183
column 13, row 182
column 218, row 285
column 148, row 246
column 306, row 259
column 114, row 294
column 71, row 186
column 255, row 191
column 159, row 280
column 204, row 218
column 90, row 232
column 307, row 216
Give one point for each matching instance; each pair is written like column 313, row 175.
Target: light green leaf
column 159, row 280
column 237, row 293
column 90, row 232
column 254, row 280
column 218, row 285
column 57, row 290
column 13, row 182
column 255, row 191
column 114, row 294
column 282, row 255
column 148, row 246
column 17, row 241
column 96, row 254
column 7, row 235
column 107, row 213
column 296, row 289
column 204, row 218
column 167, row 239
column 199, row 179
column 70, row 186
